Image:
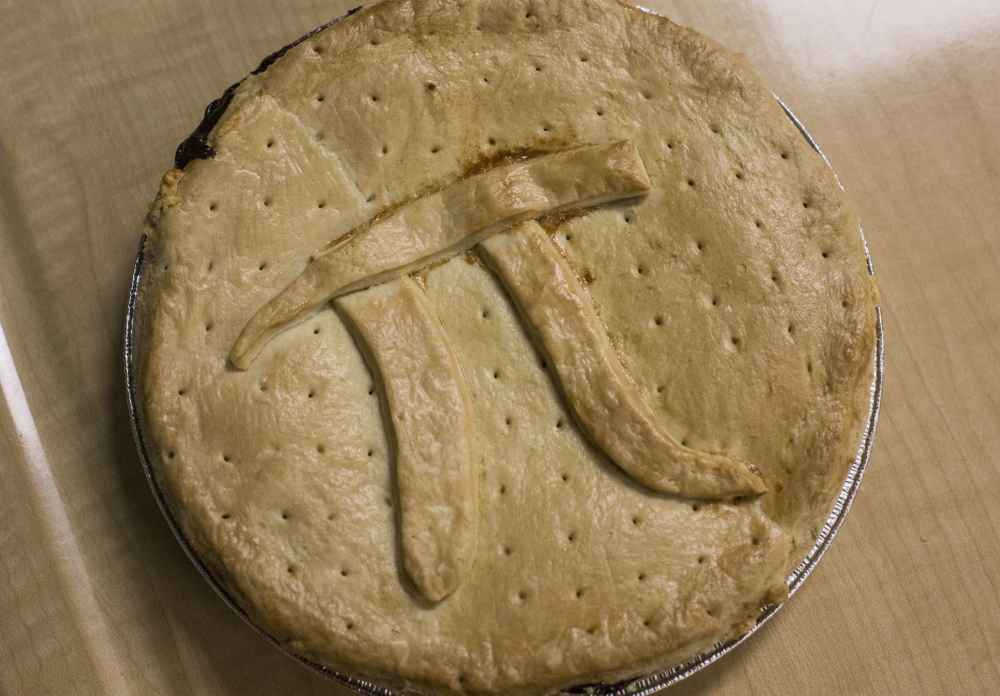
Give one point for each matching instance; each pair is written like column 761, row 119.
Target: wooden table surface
column 96, row 597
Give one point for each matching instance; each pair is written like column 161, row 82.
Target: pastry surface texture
column 734, row 292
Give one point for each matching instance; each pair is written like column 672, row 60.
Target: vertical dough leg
column 564, row 324
column 428, row 402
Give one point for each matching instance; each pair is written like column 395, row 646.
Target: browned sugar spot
column 502, row 158
column 551, row 223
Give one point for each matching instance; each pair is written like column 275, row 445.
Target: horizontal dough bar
column 447, row 222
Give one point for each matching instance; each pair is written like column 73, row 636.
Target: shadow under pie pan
column 196, row 146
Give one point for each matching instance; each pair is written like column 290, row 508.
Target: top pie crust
column 734, row 293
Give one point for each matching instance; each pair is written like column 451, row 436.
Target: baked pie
column 501, row 347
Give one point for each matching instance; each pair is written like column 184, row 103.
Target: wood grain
column 904, row 98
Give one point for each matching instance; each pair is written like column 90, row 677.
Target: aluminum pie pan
column 196, row 146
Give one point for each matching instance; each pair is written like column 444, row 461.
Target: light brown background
column 95, row 595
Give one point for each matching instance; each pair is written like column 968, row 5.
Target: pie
column 501, row 347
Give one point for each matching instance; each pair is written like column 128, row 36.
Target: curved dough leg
column 448, row 222
column 432, row 422
column 565, row 326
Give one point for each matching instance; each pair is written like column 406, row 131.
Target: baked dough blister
column 511, row 541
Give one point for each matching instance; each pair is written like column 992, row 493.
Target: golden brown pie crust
column 735, row 293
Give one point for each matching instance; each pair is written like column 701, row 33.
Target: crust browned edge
column 166, row 198
column 196, row 146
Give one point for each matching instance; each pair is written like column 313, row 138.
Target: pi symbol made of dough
column 424, row 394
